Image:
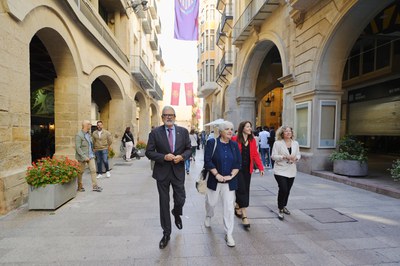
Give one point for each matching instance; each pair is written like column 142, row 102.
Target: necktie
column 170, row 139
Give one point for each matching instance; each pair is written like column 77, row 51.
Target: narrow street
column 331, row 224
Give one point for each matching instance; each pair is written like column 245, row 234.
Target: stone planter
column 51, row 196
column 141, row 152
column 350, row 168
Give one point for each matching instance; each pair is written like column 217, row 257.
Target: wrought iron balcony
column 225, row 65
column 141, row 72
column 154, row 41
column 227, row 19
column 254, row 14
column 221, row 37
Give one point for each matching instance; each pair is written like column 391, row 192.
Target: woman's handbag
column 201, row 183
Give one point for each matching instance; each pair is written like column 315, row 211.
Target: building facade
column 67, row 61
column 330, row 65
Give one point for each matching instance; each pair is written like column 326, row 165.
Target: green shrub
column 349, row 148
column 395, row 170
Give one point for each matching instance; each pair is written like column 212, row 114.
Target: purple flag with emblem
column 186, row 15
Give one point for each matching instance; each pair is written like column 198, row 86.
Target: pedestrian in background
column 271, row 141
column 264, row 147
column 286, row 153
column 102, row 141
column 223, row 164
column 169, row 146
column 128, row 141
column 85, row 156
column 249, row 153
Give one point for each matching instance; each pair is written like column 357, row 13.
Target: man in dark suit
column 169, row 146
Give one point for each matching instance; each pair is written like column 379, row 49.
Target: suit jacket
column 281, row 166
column 158, row 147
column 254, row 155
column 82, row 146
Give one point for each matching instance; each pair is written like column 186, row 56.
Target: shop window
column 303, row 124
column 368, row 56
column 327, row 129
column 354, row 63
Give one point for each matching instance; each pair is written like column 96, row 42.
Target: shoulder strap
column 215, row 146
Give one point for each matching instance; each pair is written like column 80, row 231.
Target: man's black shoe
column 164, row 242
column 178, row 220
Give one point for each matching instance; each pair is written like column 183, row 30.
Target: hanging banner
column 176, row 86
column 186, row 20
column 189, row 93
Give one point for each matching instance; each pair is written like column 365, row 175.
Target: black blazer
column 158, row 147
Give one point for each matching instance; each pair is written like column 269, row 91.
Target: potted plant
column 51, row 182
column 351, row 157
column 395, row 170
column 141, row 146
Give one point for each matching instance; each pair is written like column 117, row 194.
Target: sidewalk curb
column 362, row 183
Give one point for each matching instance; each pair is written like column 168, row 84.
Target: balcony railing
column 220, row 37
column 159, row 54
column 153, row 9
column 227, row 18
column 102, row 29
column 158, row 26
column 141, row 72
column 154, row 41
column 225, row 65
column 156, row 92
column 146, row 24
column 254, row 14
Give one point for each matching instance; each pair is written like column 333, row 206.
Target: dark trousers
column 243, row 191
column 179, row 195
column 284, row 184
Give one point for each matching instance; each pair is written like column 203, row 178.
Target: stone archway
column 107, row 101
column 65, row 90
column 142, row 118
column 154, row 116
column 250, row 88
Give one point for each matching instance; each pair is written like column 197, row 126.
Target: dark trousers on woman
column 243, row 191
column 284, row 184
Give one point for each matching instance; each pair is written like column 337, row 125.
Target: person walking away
column 85, row 156
column 264, row 146
column 286, row 153
column 223, row 164
column 249, row 153
column 102, row 141
column 127, row 139
column 169, row 146
column 193, row 142
column 271, row 141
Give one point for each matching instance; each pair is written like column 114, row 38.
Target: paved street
column 331, row 224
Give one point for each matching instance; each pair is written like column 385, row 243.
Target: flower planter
column 350, row 168
column 51, row 196
column 141, row 152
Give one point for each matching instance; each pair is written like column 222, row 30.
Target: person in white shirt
column 264, row 147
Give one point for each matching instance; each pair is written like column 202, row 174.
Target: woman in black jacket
column 127, row 139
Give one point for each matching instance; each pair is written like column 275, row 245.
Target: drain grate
column 328, row 215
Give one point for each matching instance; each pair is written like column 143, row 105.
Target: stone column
column 246, row 110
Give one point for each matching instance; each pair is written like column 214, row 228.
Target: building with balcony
column 67, row 61
column 324, row 67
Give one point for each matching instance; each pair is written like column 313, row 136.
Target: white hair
column 224, row 125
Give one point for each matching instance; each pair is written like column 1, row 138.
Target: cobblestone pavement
column 331, row 224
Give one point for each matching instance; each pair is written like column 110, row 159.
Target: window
column 303, row 124
column 207, row 69
column 212, row 12
column 212, row 40
column 202, row 42
column 327, row 132
column 207, row 40
column 212, row 70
